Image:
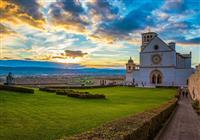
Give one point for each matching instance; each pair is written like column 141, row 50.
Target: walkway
column 184, row 124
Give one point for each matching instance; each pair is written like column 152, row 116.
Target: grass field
column 48, row 116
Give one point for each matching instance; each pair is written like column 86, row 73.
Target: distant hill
column 23, row 67
column 30, row 63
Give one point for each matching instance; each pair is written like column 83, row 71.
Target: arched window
column 159, row 79
column 156, row 77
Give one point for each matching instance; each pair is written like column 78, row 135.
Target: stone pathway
column 184, row 124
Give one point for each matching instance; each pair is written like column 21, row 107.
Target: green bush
column 64, row 92
column 47, row 89
column 86, row 96
column 16, row 89
column 166, row 86
column 81, row 95
column 143, row 126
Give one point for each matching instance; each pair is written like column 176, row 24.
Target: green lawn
column 48, row 116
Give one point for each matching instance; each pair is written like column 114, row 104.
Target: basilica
column 160, row 64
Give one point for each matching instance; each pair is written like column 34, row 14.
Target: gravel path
column 184, row 125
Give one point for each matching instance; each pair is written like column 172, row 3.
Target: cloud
column 31, row 7
column 22, row 12
column 74, row 54
column 7, row 58
column 120, row 28
column 185, row 33
column 68, row 15
column 136, row 19
column 175, row 6
column 103, row 9
column 5, row 31
column 188, row 42
column 68, row 56
column 83, row 17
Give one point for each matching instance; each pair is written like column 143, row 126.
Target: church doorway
column 156, row 77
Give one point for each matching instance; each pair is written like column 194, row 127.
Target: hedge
column 81, row 95
column 167, row 87
column 142, row 126
column 87, row 96
column 16, row 89
column 47, row 89
column 64, row 92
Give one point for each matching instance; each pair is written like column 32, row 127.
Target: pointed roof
column 130, row 60
column 160, row 40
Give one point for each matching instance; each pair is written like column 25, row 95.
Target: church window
column 156, row 47
column 159, row 79
column 153, row 79
column 151, row 36
column 156, row 77
column 147, row 36
column 129, row 67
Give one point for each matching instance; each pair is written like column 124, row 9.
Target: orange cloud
column 5, row 31
column 13, row 13
column 74, row 54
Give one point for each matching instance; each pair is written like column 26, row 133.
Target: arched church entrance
column 156, row 77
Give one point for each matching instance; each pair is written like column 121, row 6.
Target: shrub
column 142, row 126
column 166, row 86
column 16, row 89
column 47, row 89
column 86, row 96
column 81, row 95
column 64, row 92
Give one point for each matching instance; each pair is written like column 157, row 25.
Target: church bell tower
column 130, row 66
column 147, row 37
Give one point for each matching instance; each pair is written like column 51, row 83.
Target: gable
column 156, row 41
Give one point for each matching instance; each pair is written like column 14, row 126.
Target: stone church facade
column 160, row 64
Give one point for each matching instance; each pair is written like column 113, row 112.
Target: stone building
column 160, row 64
column 194, row 84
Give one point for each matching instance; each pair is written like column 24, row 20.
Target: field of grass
column 49, row 116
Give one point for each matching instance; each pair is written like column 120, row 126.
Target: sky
column 94, row 33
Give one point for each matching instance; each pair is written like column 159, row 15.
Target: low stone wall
column 16, row 89
column 194, row 85
column 142, row 126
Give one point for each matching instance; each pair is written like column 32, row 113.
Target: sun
column 67, row 60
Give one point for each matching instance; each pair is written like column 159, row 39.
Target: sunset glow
column 94, row 33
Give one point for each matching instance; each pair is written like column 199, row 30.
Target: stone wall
column 194, row 84
column 142, row 126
